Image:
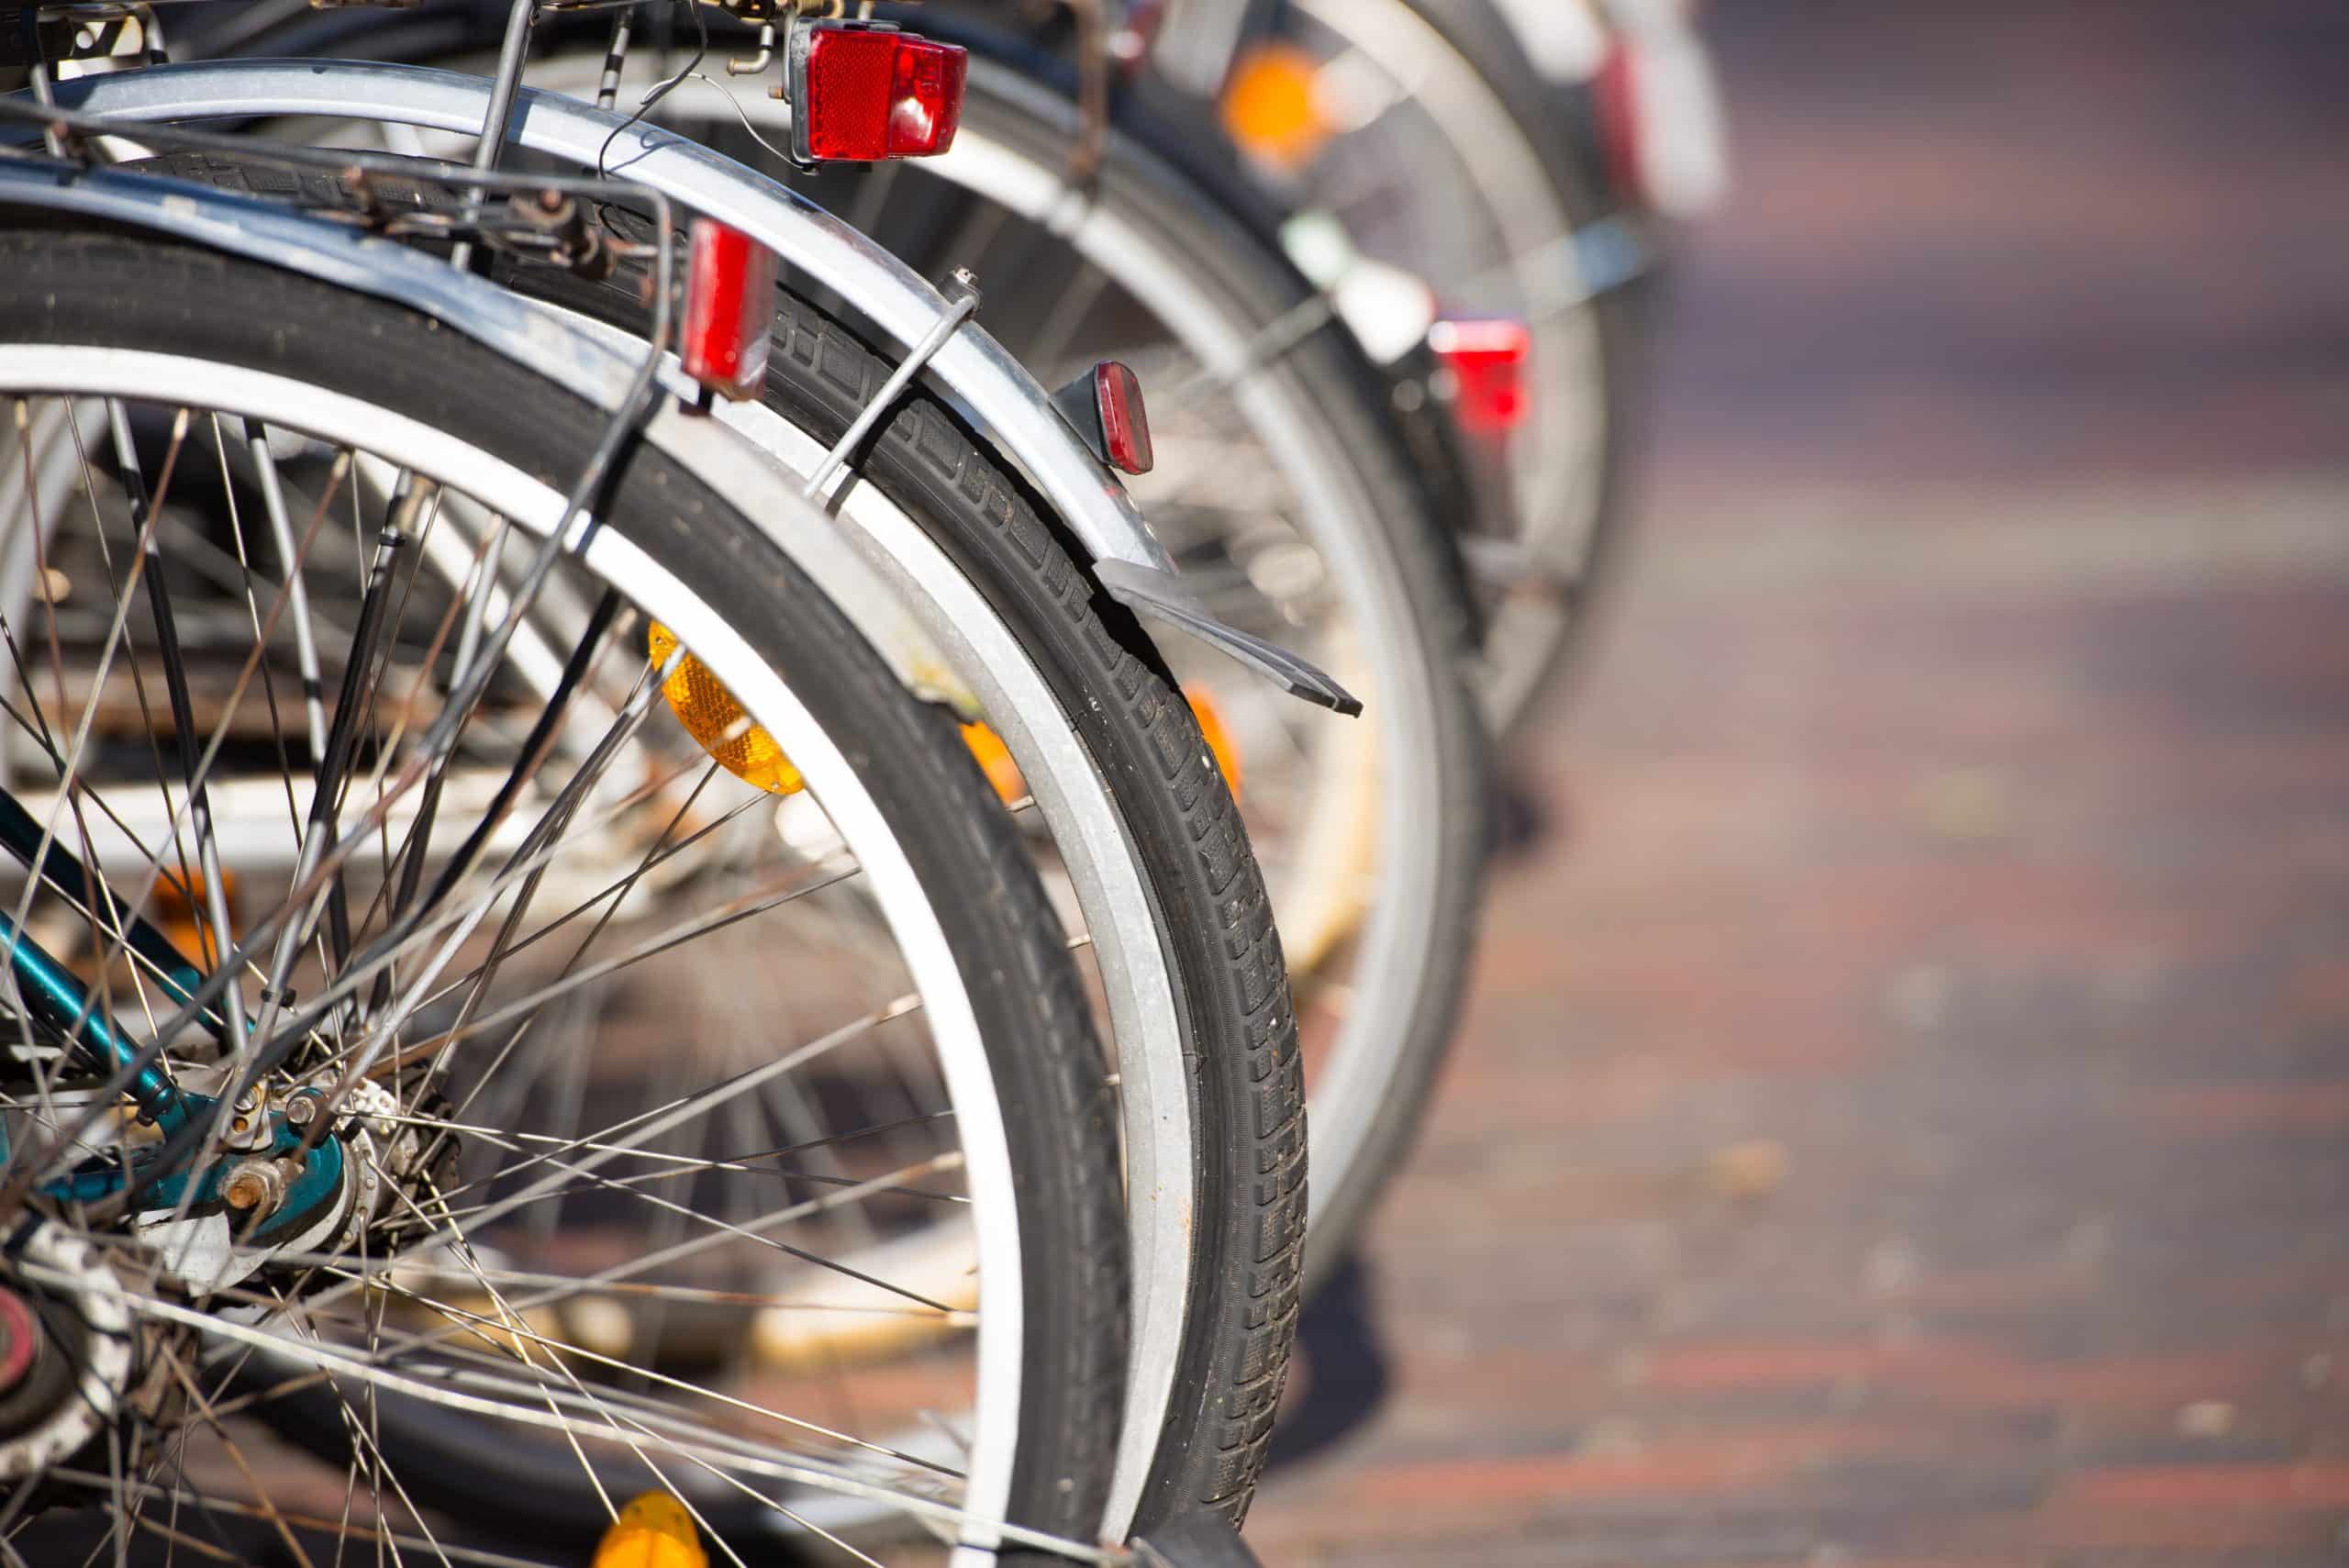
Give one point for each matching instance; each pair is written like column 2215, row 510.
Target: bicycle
column 270, row 1032
column 1248, row 1350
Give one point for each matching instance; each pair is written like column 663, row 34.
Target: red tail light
column 1104, row 405
column 1488, row 364
column 729, row 310
column 861, row 93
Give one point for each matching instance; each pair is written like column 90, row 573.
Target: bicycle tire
column 1434, row 578
column 98, row 289
column 1352, row 404
column 1212, row 235
column 1249, row 1124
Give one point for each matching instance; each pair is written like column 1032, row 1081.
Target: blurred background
column 1904, row 1118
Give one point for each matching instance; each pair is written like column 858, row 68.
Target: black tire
column 116, row 290
column 1249, row 1117
column 1163, row 177
column 1170, row 201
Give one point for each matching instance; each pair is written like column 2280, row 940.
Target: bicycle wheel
column 1374, row 853
column 816, row 904
column 1239, row 1031
column 1443, row 154
column 1279, row 488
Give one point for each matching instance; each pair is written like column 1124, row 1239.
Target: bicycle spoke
column 470, row 1392
column 261, row 1511
column 146, row 511
column 543, row 1068
column 576, row 1144
column 464, row 1322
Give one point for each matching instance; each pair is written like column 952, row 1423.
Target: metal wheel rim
column 77, row 370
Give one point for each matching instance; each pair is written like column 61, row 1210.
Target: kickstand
column 1195, row 1540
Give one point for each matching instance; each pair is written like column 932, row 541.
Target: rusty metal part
column 255, row 1187
column 570, row 236
column 1094, row 65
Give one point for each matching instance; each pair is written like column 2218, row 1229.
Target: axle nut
column 257, row 1185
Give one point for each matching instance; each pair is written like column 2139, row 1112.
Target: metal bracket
column 1164, row 596
column 964, row 292
column 753, row 65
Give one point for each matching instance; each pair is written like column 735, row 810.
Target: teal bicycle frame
column 64, row 1007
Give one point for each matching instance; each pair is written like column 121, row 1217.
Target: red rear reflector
column 1488, row 364
column 862, row 93
column 1104, row 405
column 1125, row 423
column 729, row 310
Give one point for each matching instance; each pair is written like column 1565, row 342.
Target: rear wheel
column 1462, row 174
column 1239, row 1027
column 768, row 965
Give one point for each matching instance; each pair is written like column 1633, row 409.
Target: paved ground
column 1904, row 1116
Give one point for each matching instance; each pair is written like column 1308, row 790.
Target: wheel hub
column 20, row 1340
column 66, row 1367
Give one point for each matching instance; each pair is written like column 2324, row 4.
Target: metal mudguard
column 279, row 237
column 858, row 572
column 1011, row 410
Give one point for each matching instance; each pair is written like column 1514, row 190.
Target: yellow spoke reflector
column 713, row 717
column 1270, row 107
column 183, row 913
column 994, row 761
column 1217, row 734
column 653, row 1532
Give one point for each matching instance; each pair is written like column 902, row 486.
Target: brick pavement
column 1901, row 1117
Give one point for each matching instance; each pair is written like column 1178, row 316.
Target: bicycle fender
column 530, row 335
column 1007, row 406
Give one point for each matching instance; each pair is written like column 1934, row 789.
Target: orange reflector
column 994, row 761
column 1217, row 734
column 653, row 1532
column 714, row 718
column 182, row 910
column 1269, row 107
